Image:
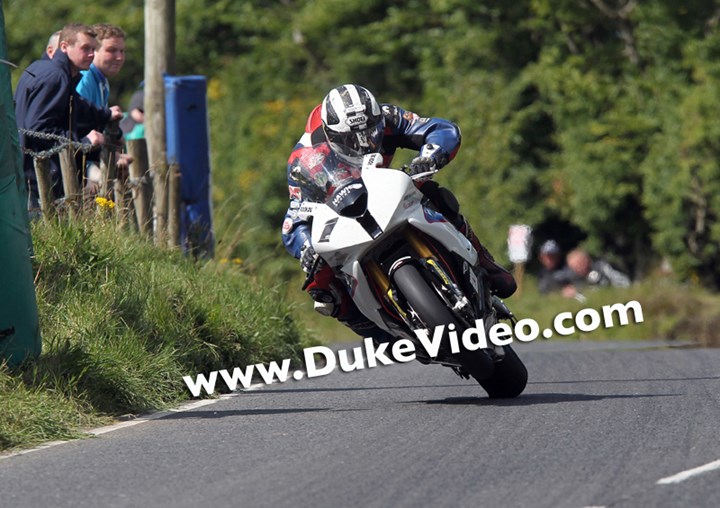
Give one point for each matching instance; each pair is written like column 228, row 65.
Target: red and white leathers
column 403, row 129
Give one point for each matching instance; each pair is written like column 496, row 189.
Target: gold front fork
column 382, row 281
column 379, row 276
column 417, row 245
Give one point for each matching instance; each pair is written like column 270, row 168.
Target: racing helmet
column 353, row 123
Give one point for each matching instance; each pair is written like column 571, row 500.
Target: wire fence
column 62, row 144
column 127, row 190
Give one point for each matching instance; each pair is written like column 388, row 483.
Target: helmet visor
column 357, row 143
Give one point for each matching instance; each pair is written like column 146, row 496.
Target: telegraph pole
column 159, row 60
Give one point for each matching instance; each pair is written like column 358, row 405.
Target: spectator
column 551, row 259
column 95, row 87
column 108, row 61
column 46, row 103
column 133, row 125
column 52, row 45
column 583, row 271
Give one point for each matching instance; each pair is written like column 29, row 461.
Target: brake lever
column 418, row 176
column 426, row 174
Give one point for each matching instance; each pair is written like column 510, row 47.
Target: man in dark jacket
column 46, row 103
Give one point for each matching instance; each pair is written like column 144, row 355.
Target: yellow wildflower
column 105, row 203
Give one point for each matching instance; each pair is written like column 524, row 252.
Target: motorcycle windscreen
column 321, row 174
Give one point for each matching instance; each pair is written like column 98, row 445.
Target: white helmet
column 353, row 123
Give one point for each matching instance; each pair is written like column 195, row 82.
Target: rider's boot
column 501, row 281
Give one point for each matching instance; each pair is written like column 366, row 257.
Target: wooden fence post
column 44, row 182
column 141, row 185
column 71, row 186
column 174, row 205
column 119, row 198
column 159, row 60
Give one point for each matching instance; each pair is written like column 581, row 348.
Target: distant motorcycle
column 407, row 268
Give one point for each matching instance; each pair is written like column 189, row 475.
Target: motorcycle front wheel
column 509, row 378
column 433, row 312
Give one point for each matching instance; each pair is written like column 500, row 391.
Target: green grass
column 122, row 322
column 32, row 415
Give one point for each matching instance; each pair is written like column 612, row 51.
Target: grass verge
column 122, row 321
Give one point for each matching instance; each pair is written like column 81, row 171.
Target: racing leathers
column 436, row 137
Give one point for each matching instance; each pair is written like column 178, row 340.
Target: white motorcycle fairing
column 405, row 267
column 393, row 203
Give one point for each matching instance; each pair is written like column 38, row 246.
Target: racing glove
column 308, row 256
column 432, row 158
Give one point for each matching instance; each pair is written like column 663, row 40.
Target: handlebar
column 418, row 176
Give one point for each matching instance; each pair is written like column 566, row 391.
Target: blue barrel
column 188, row 146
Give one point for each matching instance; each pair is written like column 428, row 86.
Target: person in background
column 95, row 86
column 133, row 125
column 583, row 271
column 551, row 259
column 52, row 45
column 46, row 103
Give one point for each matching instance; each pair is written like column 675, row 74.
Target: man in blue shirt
column 94, row 85
column 109, row 59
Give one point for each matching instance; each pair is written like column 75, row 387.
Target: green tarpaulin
column 19, row 329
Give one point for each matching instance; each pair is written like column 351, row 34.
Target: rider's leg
column 331, row 299
column 502, row 283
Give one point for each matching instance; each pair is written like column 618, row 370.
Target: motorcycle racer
column 348, row 124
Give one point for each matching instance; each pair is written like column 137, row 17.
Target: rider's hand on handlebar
column 421, row 165
column 431, row 158
column 308, row 256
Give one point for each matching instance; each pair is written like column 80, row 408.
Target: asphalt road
column 600, row 424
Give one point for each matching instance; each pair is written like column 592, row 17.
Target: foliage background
column 593, row 121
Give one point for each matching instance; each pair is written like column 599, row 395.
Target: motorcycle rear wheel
column 433, row 312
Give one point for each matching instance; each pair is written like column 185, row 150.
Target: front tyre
column 509, row 379
column 431, row 309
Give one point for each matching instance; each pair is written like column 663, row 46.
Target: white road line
column 154, row 416
column 30, row 450
column 684, row 475
column 135, row 421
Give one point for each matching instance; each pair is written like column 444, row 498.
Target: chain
column 63, row 143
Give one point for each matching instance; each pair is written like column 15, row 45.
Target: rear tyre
column 509, row 379
column 433, row 312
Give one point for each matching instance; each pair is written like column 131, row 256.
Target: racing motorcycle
column 406, row 267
